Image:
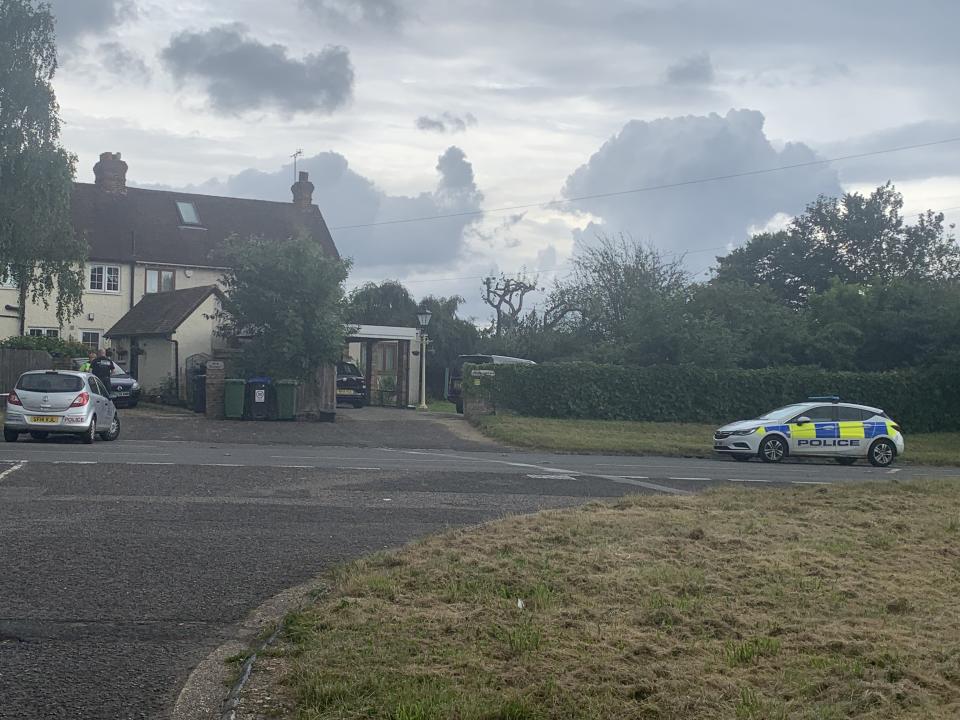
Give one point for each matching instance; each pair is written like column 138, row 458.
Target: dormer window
column 188, row 213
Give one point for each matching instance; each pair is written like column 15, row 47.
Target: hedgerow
column 922, row 400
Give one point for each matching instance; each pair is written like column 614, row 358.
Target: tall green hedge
column 922, row 400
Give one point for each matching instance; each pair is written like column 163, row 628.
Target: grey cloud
column 122, row 61
column 694, row 70
column 383, row 13
column 446, row 122
column 240, row 73
column 936, row 160
column 675, row 150
column 75, row 18
column 346, row 198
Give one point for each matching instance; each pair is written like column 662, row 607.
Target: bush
column 57, row 347
column 922, row 400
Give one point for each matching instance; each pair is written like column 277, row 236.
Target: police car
column 820, row 427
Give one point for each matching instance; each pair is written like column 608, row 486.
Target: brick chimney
column 303, row 191
column 111, row 173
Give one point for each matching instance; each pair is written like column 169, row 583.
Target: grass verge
column 806, row 603
column 648, row 438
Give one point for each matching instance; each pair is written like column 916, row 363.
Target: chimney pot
column 111, row 173
column 303, row 191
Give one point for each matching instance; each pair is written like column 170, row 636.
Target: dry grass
column 677, row 439
column 799, row 603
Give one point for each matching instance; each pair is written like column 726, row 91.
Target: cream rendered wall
column 155, row 362
column 107, row 308
column 197, row 334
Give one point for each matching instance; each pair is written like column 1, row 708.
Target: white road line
column 74, row 462
column 220, row 465
column 297, row 467
column 633, row 477
column 895, row 470
column 808, row 482
column 11, row 470
column 749, row 480
column 690, row 478
column 647, row 485
column 358, row 468
column 150, row 463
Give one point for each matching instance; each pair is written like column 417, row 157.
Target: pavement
column 125, row 564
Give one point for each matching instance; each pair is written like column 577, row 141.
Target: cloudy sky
column 487, row 111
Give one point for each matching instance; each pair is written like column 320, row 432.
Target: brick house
column 147, row 242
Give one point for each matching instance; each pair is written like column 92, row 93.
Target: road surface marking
column 633, row 477
column 298, row 467
column 150, row 463
column 11, row 470
column 358, row 468
column 809, row 482
column 551, row 477
column 220, row 465
column 690, row 478
column 751, row 480
column 895, row 470
column 74, row 462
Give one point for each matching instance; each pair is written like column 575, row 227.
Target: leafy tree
column 854, row 239
column 388, row 303
column 287, row 298
column 450, row 336
column 38, row 249
column 615, row 284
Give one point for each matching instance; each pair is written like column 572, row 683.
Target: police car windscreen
column 50, row 383
column 784, row 412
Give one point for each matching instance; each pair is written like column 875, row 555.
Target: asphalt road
column 124, row 564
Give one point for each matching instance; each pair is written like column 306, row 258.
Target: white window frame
column 104, row 279
column 99, row 334
column 47, row 332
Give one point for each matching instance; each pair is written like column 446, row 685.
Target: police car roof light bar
column 825, row 398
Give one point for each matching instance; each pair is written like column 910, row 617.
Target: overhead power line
column 652, row 188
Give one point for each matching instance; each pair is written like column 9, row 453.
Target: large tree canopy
column 38, row 249
column 854, row 239
column 286, row 297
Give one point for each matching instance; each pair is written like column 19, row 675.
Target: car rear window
column 345, row 368
column 51, row 383
column 475, row 359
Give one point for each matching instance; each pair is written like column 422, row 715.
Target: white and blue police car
column 820, row 427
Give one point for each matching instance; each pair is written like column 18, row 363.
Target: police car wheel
column 882, row 453
column 773, row 449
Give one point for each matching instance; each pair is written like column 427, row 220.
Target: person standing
column 88, row 365
column 102, row 367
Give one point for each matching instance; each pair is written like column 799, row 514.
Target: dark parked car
column 124, row 389
column 351, row 385
column 455, row 389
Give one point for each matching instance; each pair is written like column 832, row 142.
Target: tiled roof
column 144, row 225
column 161, row 313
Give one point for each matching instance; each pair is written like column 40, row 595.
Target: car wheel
column 114, row 432
column 10, row 435
column 358, row 405
column 773, row 449
column 91, row 434
column 882, row 453
column 846, row 460
column 39, row 435
column 741, row 457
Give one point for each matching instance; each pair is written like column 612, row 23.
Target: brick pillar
column 216, row 373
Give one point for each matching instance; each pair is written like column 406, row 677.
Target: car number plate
column 345, row 392
column 45, row 419
column 121, row 393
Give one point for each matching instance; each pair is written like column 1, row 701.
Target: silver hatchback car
column 48, row 402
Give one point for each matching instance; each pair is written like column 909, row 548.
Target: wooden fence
column 15, row 362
